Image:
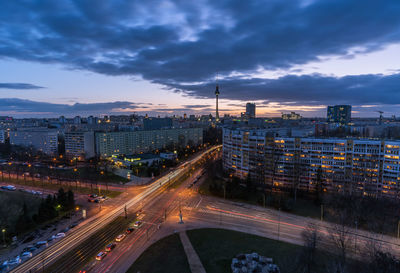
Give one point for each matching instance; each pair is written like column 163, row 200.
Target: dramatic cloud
column 21, row 86
column 20, row 105
column 179, row 43
column 306, row 89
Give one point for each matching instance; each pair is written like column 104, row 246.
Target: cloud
column 305, row 89
column 28, row 106
column 21, row 86
column 180, row 42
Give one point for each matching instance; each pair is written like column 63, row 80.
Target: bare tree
column 341, row 241
column 311, row 240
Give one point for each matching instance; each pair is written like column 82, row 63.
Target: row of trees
column 50, row 207
column 338, row 252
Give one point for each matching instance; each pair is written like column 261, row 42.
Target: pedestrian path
column 194, row 261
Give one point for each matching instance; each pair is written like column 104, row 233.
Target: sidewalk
column 193, row 259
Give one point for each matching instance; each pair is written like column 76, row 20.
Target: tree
column 24, row 221
column 311, row 240
column 70, row 200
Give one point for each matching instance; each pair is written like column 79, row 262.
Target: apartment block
column 369, row 167
column 133, row 142
column 45, row 140
column 80, row 145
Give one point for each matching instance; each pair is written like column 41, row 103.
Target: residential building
column 3, row 136
column 291, row 116
column 369, row 167
column 134, row 142
column 156, row 123
column 79, row 144
column 339, row 114
column 43, row 140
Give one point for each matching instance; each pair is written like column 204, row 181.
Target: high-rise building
column 79, row 144
column 339, row 114
column 250, row 110
column 216, row 103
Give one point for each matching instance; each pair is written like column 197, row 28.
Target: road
column 91, row 225
column 210, row 212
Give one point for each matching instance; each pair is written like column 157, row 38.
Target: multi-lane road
column 91, row 225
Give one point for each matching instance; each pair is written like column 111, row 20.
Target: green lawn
column 166, row 255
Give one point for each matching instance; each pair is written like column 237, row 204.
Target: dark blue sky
column 162, row 57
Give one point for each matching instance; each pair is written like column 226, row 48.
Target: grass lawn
column 217, row 247
column 303, row 207
column 166, row 255
column 56, row 187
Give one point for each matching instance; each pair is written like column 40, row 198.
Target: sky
column 100, row 57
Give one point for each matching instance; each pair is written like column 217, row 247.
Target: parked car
column 58, row 235
column 120, row 237
column 9, row 188
column 101, row 256
column 40, row 244
column 15, row 261
column 26, row 255
column 110, row 247
column 129, row 230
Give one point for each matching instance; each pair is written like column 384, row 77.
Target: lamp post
column 4, row 236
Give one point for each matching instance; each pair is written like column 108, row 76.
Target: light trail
column 86, row 229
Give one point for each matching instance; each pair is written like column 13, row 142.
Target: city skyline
column 65, row 58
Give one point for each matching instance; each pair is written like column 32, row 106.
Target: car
column 58, row 235
column 29, row 249
column 120, row 237
column 101, row 256
column 110, row 247
column 26, row 255
column 40, row 244
column 138, row 224
column 93, row 195
column 73, row 225
column 90, row 200
column 129, row 230
column 15, row 261
column 9, row 188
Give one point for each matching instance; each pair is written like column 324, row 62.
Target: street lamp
column 4, row 236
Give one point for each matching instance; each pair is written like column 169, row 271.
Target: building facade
column 80, row 145
column 339, row 114
column 45, row 141
column 369, row 167
column 250, row 110
column 134, row 142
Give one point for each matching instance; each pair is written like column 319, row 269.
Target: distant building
column 127, row 143
column 3, row 136
column 79, row 144
column 291, row 116
column 157, row 123
column 45, row 141
column 77, row 120
column 339, row 114
column 250, row 110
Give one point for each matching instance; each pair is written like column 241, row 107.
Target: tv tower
column 216, row 97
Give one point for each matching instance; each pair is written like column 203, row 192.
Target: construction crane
column 380, row 116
